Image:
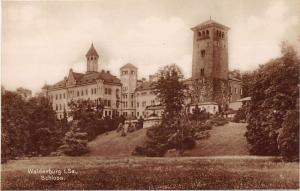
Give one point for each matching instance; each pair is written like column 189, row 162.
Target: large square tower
column 210, row 63
column 210, row 51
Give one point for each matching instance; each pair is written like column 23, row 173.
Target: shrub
column 240, row 115
column 288, row 138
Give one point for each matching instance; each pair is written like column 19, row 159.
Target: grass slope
column 112, row 144
column 227, row 140
column 153, row 173
column 224, row 140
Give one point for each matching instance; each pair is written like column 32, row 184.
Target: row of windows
column 236, row 90
column 92, row 58
column 107, row 91
column 126, row 72
column 125, row 96
column 125, row 104
column 60, row 107
column 107, row 103
column 144, row 103
column 205, row 34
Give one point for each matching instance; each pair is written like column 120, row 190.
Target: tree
column 88, row 113
column 75, row 141
column 172, row 133
column 274, row 92
column 28, row 127
column 170, row 91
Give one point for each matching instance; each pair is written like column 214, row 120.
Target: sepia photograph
column 150, row 94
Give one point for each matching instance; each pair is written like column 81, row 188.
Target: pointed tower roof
column 92, row 51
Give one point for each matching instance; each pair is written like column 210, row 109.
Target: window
column 108, row 103
column 132, row 113
column 105, row 113
column 59, row 96
column 241, row 91
column 132, row 104
column 199, row 34
column 56, row 107
column 235, row 90
column 86, row 92
column 77, row 93
column 81, row 92
column 152, row 102
column 64, row 95
column 109, row 113
column 144, row 104
column 223, row 35
column 202, row 53
column 137, row 104
column 132, row 72
column 137, row 113
column 207, row 32
column 202, row 71
column 56, row 96
column 132, row 95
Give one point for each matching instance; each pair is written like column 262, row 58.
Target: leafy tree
column 170, row 91
column 89, row 116
column 14, row 134
column 172, row 132
column 274, row 92
column 45, row 132
column 28, row 127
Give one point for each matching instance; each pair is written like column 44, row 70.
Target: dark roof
column 129, row 65
column 155, row 107
column 146, row 86
column 210, row 23
column 90, row 77
column 92, row 51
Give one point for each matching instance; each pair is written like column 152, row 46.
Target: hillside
column 224, row 141
column 112, row 144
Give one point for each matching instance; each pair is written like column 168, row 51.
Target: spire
column 92, row 51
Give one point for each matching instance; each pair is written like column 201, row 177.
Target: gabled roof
column 129, row 65
column 92, row 51
column 209, row 23
column 91, row 77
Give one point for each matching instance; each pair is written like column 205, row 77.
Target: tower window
column 202, row 71
column 202, row 53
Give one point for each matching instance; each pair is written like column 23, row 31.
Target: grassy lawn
column 153, row 173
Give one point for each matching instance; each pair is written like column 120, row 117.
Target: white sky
column 41, row 41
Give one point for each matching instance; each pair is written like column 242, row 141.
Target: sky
column 42, row 40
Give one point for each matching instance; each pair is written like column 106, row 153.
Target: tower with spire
column 92, row 59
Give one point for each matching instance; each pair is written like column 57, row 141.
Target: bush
column 217, row 121
column 288, row 138
column 240, row 115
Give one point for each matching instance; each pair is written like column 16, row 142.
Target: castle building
column 212, row 84
column 93, row 85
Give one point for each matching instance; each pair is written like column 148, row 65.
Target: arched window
column 199, row 34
